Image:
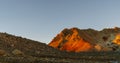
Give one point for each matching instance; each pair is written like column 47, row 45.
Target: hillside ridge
column 11, row 45
column 77, row 40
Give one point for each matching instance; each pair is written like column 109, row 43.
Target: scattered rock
column 17, row 52
column 2, row 52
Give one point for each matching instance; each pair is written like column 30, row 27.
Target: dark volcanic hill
column 11, row 45
column 77, row 40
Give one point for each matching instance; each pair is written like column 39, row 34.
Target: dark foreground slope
column 17, row 46
column 15, row 49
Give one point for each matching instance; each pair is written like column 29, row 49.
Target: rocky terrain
column 15, row 49
column 11, row 45
column 81, row 40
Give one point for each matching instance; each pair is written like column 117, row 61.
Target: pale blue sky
column 42, row 20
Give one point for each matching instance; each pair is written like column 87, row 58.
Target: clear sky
column 42, row 20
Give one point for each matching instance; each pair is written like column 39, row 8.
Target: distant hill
column 81, row 40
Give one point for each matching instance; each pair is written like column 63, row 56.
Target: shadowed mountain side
column 11, row 45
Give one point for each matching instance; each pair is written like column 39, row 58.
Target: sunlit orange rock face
column 77, row 46
column 77, row 40
column 70, row 40
column 117, row 39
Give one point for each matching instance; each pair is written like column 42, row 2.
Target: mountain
column 11, row 45
column 15, row 49
column 82, row 40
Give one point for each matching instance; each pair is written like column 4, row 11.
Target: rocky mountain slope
column 14, row 49
column 11, row 45
column 80, row 40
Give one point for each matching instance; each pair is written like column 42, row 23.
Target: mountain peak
column 79, row 40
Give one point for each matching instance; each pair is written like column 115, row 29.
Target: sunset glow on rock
column 117, row 39
column 76, row 46
column 77, row 40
